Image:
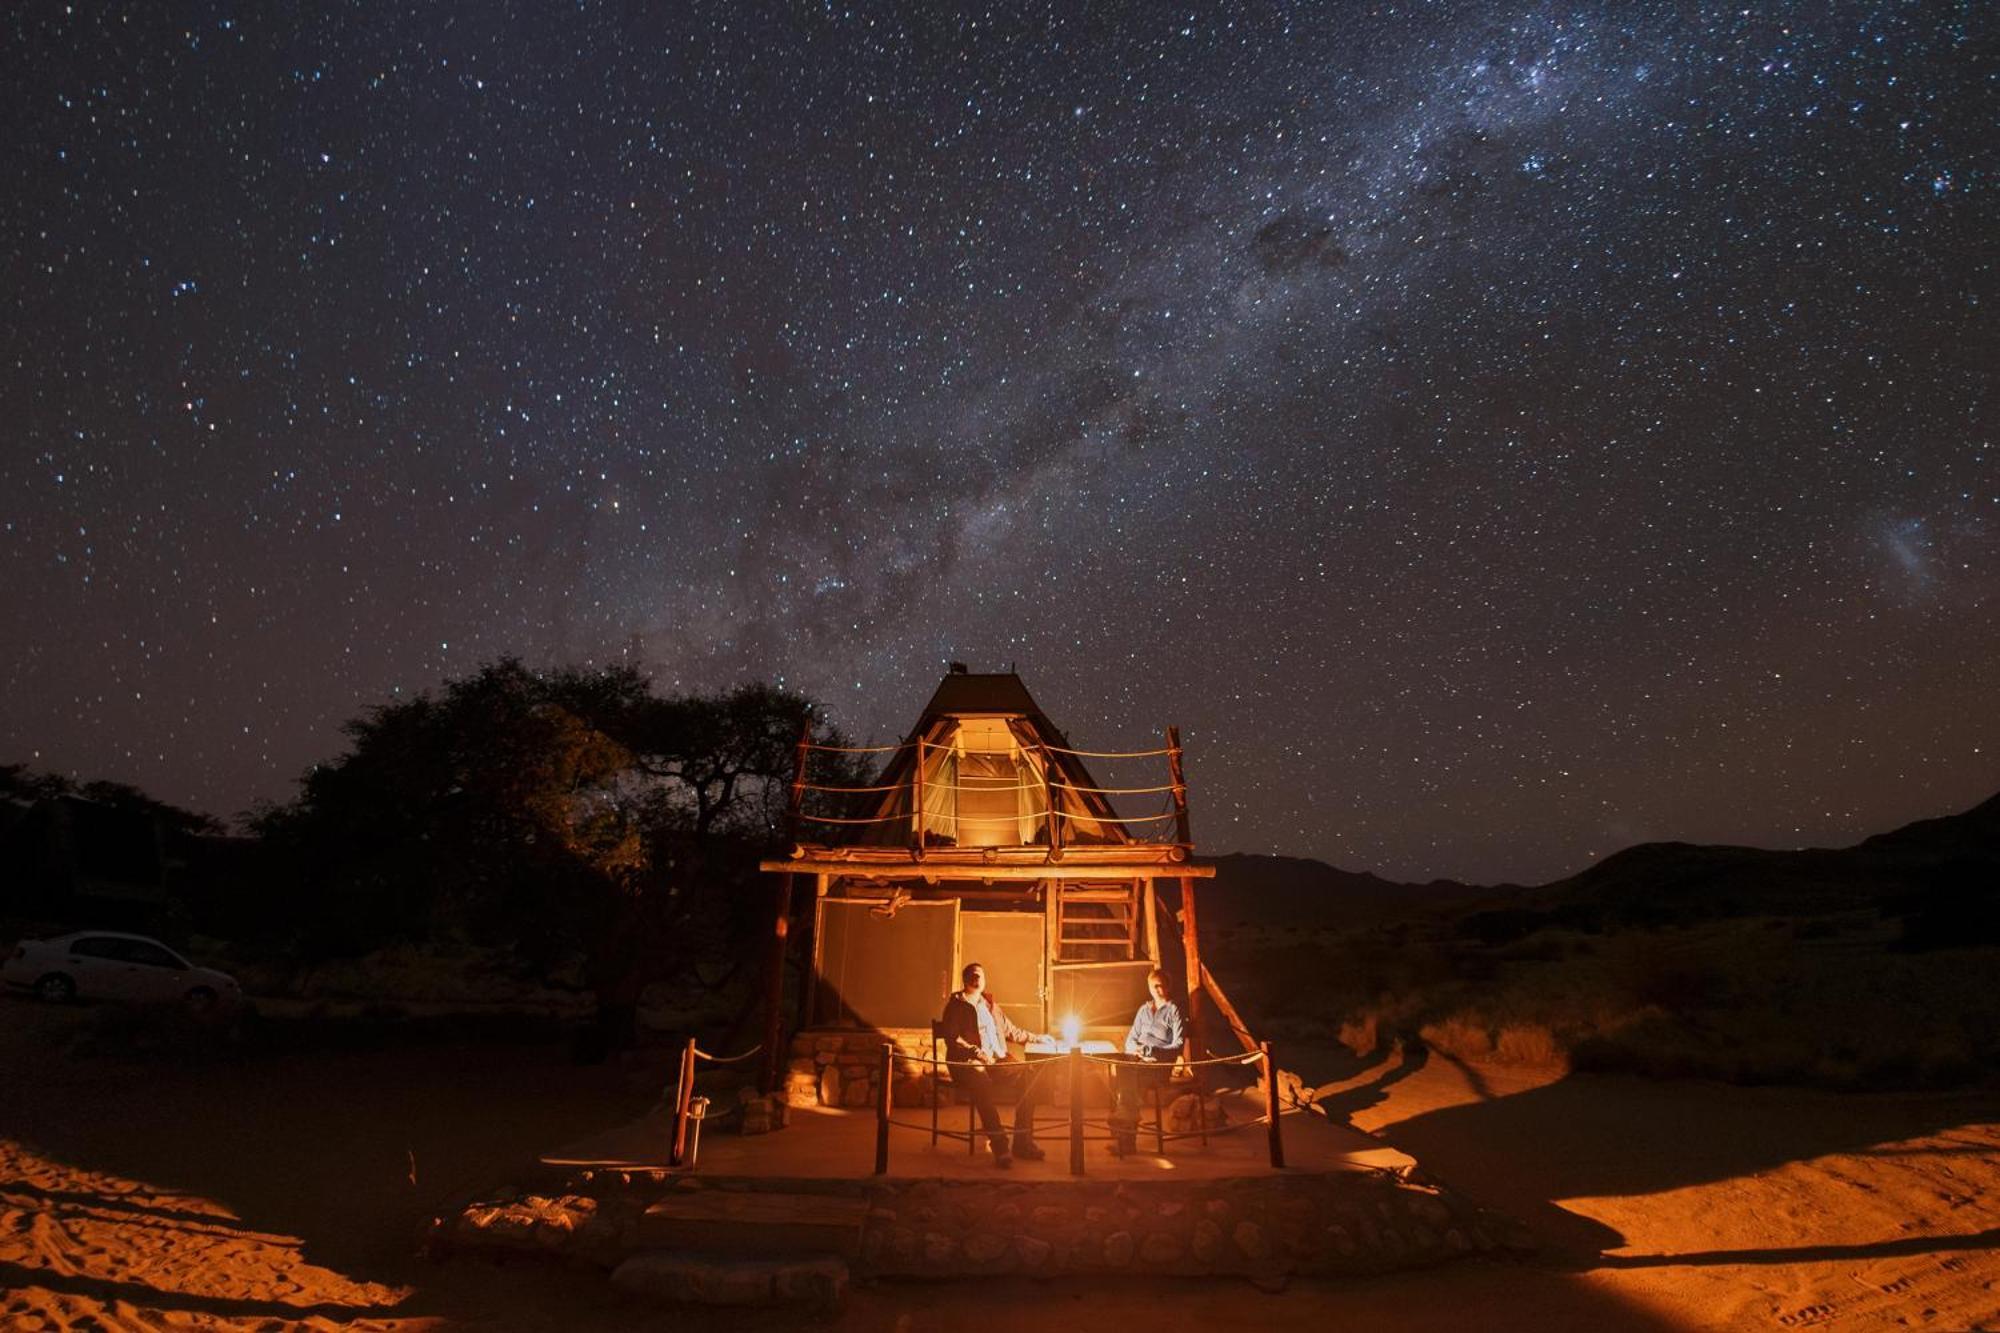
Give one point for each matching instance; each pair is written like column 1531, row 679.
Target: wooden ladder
column 1097, row 922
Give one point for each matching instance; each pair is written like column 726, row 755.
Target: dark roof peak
column 964, row 691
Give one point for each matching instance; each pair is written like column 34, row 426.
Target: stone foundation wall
column 1311, row 1225
column 843, row 1068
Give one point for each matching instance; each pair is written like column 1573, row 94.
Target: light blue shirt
column 1155, row 1028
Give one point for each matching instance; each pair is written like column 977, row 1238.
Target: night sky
column 1496, row 434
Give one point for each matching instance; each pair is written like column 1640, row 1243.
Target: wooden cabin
column 987, row 837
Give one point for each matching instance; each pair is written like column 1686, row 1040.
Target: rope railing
column 1056, row 749
column 1241, row 1058
column 1085, row 816
column 1108, row 754
column 902, row 818
column 685, row 1114
column 1090, row 817
column 856, row 749
column 933, row 784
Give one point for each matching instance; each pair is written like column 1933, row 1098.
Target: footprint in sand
column 1810, row 1316
column 1958, row 1263
column 1898, row 1287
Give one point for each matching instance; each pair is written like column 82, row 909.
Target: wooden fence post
column 1076, row 1110
column 683, row 1096
column 883, row 1107
column 1271, row 1106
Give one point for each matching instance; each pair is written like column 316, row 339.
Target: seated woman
column 1156, row 1038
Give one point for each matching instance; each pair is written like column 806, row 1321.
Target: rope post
column 683, row 1096
column 1076, row 1110
column 1178, row 779
column 883, row 1108
column 1049, row 803
column 917, row 799
column 1271, row 1106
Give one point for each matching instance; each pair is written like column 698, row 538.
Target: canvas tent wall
column 988, row 768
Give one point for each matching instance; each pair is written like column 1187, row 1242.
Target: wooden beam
column 809, row 990
column 1235, row 1020
column 1178, row 778
column 1152, row 924
column 1051, row 945
column 1191, row 948
column 993, row 872
column 1100, row 854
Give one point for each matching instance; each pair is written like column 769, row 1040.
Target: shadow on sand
column 1585, row 1136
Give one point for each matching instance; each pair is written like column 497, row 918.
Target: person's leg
column 1124, row 1106
column 978, row 1083
column 1123, row 1092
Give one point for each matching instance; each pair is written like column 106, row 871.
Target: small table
column 1045, row 1050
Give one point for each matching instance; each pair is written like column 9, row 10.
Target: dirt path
column 276, row 1192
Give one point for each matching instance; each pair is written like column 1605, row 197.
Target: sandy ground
column 287, row 1191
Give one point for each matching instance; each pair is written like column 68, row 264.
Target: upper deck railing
column 1067, row 812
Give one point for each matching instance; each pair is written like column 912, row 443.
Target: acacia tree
column 549, row 812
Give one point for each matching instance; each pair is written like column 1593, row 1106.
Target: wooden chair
column 1158, row 1092
column 942, row 1080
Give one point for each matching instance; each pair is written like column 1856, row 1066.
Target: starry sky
column 1495, row 433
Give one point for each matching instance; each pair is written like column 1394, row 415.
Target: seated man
column 1155, row 1039
column 975, row 1030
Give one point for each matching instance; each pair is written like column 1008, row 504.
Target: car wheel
column 56, row 988
column 200, row 1000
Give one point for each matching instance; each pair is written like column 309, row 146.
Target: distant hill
column 1931, row 872
column 1254, row 890
column 1933, row 868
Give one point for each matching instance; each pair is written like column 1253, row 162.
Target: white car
column 110, row 965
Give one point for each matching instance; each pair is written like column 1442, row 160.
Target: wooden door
column 1009, row 946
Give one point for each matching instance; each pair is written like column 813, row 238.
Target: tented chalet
column 986, row 837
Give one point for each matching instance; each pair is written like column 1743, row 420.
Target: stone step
column 706, row 1279
column 757, row 1222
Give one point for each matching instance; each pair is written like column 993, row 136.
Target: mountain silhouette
column 1941, row 875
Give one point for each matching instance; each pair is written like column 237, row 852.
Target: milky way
column 1494, row 434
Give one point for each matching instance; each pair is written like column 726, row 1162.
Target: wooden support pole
column 917, row 804
column 884, row 1104
column 781, row 929
column 1152, row 912
column 809, row 971
column 683, row 1098
column 1271, row 1107
column 1190, row 941
column 1076, row 1110
column 1191, row 946
column 1177, row 777
column 1212, row 989
column 1049, row 802
column 1051, row 948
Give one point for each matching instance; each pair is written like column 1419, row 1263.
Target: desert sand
column 279, row 1191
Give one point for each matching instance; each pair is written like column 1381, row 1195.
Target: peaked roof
column 967, row 692
column 970, row 694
